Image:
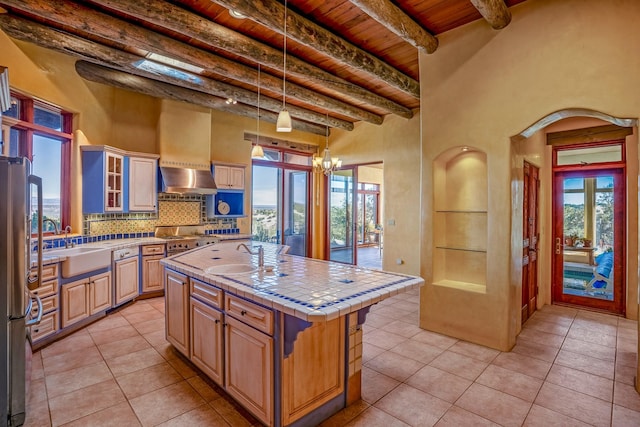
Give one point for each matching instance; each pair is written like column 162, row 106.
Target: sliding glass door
column 280, row 200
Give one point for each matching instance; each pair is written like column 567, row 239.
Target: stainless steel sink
column 81, row 259
column 231, row 269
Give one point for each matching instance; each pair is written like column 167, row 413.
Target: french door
column 588, row 235
column 342, row 222
column 280, row 200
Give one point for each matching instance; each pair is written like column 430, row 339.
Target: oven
column 184, row 237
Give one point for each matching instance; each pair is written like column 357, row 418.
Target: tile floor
column 569, row 368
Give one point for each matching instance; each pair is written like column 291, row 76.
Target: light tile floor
column 569, row 368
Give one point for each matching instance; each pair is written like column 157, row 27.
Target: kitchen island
column 284, row 340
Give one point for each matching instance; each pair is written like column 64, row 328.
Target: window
column 42, row 133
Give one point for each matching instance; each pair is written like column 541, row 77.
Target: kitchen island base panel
column 313, row 374
column 293, row 335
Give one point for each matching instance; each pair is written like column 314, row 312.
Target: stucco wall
column 397, row 145
column 483, row 86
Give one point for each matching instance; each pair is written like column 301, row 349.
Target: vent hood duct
column 187, row 181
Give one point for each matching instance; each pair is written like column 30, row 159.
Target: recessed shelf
column 450, row 248
column 460, row 211
column 464, row 286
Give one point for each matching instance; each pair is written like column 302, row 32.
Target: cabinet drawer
column 49, row 272
column 49, row 303
column 47, row 288
column 153, row 249
column 252, row 314
column 207, row 293
column 47, row 326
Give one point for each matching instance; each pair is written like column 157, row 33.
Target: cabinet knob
column 243, row 312
column 217, row 321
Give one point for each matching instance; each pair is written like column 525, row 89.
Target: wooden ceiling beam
column 399, row 23
column 495, row 12
column 49, row 38
column 271, row 14
column 174, row 18
column 110, row 28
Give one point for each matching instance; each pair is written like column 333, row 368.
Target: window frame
column 28, row 129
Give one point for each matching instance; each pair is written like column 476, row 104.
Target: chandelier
column 325, row 163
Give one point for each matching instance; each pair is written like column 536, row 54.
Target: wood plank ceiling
column 346, row 61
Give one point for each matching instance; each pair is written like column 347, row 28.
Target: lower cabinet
column 249, row 368
column 151, row 267
column 176, row 297
column 48, row 294
column 151, row 273
column 85, row 297
column 225, row 337
column 207, row 340
column 125, row 280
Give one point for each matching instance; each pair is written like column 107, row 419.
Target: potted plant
column 570, row 240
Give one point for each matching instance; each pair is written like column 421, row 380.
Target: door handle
column 37, row 320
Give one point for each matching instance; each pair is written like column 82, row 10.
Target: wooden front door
column 530, row 241
column 590, row 272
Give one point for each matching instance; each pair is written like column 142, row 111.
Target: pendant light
column 256, row 151
column 283, row 124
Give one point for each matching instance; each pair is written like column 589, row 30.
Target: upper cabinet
column 142, row 183
column 229, row 177
column 229, row 200
column 114, row 180
column 102, row 179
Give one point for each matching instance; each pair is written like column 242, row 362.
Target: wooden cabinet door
column 75, row 304
column 126, row 280
column 236, row 178
column 142, row 184
column 177, row 310
column 222, row 176
column 100, row 293
column 152, row 273
column 114, row 190
column 248, row 368
column 207, row 340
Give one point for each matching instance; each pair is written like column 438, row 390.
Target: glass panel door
column 280, row 200
column 341, row 217
column 265, row 224
column 296, row 216
column 589, row 214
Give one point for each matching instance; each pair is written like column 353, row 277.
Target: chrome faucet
column 67, row 230
column 260, row 253
column 56, row 231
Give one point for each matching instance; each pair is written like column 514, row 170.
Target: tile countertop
column 309, row 289
column 51, row 256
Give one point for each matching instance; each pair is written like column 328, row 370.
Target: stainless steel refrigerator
column 16, row 185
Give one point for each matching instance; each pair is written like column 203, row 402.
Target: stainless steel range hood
column 187, row 181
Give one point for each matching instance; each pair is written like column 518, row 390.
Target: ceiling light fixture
column 325, row 163
column 257, row 152
column 283, row 124
column 231, row 101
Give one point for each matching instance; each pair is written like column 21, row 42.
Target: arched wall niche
column 460, row 219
